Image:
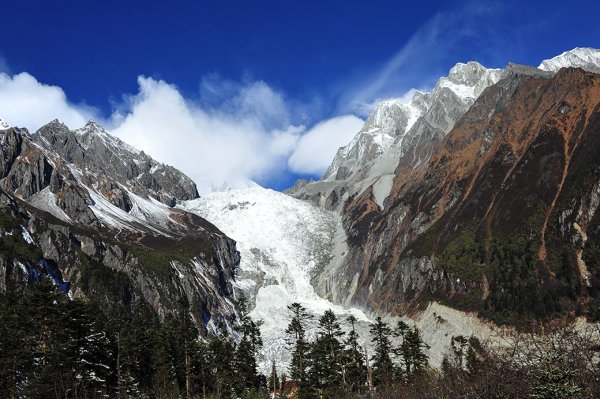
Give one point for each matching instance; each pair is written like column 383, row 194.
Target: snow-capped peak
column 93, row 130
column 3, row 124
column 468, row 80
column 580, row 57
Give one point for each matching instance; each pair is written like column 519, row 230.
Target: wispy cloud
column 425, row 55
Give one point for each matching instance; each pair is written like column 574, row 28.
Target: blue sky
column 267, row 90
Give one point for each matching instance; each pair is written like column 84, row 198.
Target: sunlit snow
column 283, row 242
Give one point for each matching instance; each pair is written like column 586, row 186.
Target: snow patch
column 46, row 201
column 381, row 188
column 3, row 124
column 26, row 236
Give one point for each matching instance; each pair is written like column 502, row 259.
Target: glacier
column 283, row 243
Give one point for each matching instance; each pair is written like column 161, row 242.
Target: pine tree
column 16, row 357
column 296, row 332
column 93, row 368
column 382, row 361
column 412, row 350
column 327, row 355
column 53, row 346
column 274, row 384
column 554, row 382
column 221, row 353
column 354, row 361
column 247, row 351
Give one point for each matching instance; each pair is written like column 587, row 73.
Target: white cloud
column 217, row 147
column 317, row 147
column 28, row 103
column 232, row 134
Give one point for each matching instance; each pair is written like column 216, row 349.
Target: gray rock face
column 397, row 133
column 383, row 158
column 97, row 207
column 106, row 162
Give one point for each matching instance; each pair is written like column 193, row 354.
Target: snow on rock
column 26, row 236
column 3, row 124
column 46, row 201
column 580, row 57
column 283, row 243
column 381, row 189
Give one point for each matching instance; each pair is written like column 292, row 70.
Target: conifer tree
column 354, row 361
column 414, row 357
column 296, row 337
column 382, row 361
column 247, row 351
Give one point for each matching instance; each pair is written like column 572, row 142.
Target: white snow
column 282, row 241
column 46, row 201
column 3, row 124
column 26, row 236
column 381, row 188
column 580, row 57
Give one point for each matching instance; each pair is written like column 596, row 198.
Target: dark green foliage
column 411, row 352
column 383, row 368
column 326, row 357
column 464, row 257
column 296, row 332
column 51, row 346
column 354, row 360
column 554, row 382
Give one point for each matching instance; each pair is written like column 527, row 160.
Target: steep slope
column 394, row 132
column 498, row 219
column 283, row 243
column 581, row 57
column 101, row 219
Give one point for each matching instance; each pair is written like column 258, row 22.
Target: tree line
column 55, row 347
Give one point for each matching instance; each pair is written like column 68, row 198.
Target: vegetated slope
column 502, row 219
column 98, row 217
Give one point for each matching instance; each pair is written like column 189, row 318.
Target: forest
column 52, row 346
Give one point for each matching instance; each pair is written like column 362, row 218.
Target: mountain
column 393, row 131
column 495, row 214
column 283, row 243
column 99, row 217
column 581, row 57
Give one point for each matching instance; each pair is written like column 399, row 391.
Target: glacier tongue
column 283, row 243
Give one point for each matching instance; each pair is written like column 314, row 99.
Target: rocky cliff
column 502, row 219
column 488, row 206
column 98, row 217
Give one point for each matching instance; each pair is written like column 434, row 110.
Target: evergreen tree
column 93, row 367
column 326, row 355
column 296, row 332
column 412, row 350
column 16, row 357
column 53, row 345
column 382, row 361
column 247, row 351
column 220, row 355
column 354, row 361
column 274, row 383
column 554, row 382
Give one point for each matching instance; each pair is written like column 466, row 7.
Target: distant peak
column 580, row 57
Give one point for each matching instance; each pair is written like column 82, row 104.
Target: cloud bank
column 317, row 147
column 25, row 102
column 231, row 135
